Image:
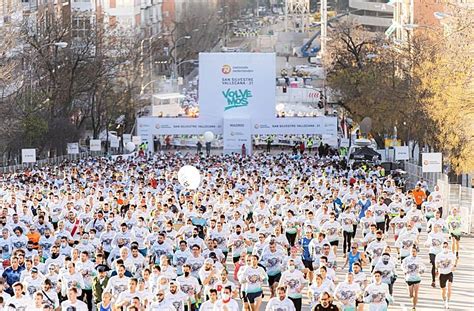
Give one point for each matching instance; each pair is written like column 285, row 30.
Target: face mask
column 186, row 274
column 84, row 241
column 385, row 261
column 379, row 239
column 237, row 232
column 225, row 297
column 195, row 235
column 291, row 268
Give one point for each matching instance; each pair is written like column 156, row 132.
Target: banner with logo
column 95, row 145
column 295, row 126
column 28, row 155
column 114, row 142
column 73, row 148
column 150, row 126
column 432, row 162
column 237, row 84
column 127, row 138
column 402, row 153
column 331, row 140
column 344, row 143
column 237, row 133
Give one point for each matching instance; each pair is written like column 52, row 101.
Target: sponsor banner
column 432, row 162
column 127, row 138
column 73, row 148
column 344, row 143
column 28, row 155
column 237, row 84
column 402, row 153
column 114, row 142
column 236, row 133
column 296, row 126
column 149, row 126
column 95, row 145
column 330, row 139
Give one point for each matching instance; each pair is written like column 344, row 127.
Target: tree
column 446, row 77
column 66, row 90
column 373, row 80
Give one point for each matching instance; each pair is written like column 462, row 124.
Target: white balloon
column 208, row 136
column 189, row 177
column 280, row 107
column 130, row 146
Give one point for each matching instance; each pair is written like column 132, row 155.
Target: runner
column 413, row 267
column 293, row 280
column 377, row 294
column 445, row 265
column 347, row 292
column 435, row 241
column 252, row 279
column 454, row 227
column 281, row 302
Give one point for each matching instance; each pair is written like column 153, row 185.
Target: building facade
column 374, row 15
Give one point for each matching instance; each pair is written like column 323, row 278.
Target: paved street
column 430, row 298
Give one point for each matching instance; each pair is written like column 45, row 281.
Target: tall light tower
column 324, row 25
column 299, row 10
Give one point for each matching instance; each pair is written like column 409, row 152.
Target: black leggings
column 87, row 297
column 297, row 302
column 387, row 223
column 381, row 226
column 433, row 267
column 291, row 238
column 346, row 246
column 354, row 231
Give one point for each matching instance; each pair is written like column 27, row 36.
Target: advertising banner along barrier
column 432, row 162
column 28, row 155
column 73, row 148
column 95, row 145
column 127, row 138
column 114, row 142
column 402, row 153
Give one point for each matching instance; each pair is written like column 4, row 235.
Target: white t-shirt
column 21, row 304
column 347, row 293
column 293, row 281
column 275, row 304
column 79, row 305
column 231, row 305
column 207, row 306
column 445, row 262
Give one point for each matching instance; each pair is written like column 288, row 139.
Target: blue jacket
column 364, row 207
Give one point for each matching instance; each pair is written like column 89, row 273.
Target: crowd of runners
column 123, row 234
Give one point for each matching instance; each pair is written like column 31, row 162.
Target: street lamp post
column 175, row 55
column 59, row 45
column 226, row 32
column 150, row 58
